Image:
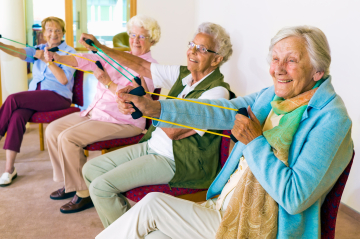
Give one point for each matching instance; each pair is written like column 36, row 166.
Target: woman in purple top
column 52, row 82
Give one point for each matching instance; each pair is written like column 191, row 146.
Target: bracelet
column 107, row 86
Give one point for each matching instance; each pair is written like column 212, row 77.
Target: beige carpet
column 26, row 211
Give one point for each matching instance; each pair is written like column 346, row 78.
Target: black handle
column 0, row 36
column 137, row 80
column 37, row 48
column 54, row 49
column 99, row 65
column 90, row 43
column 139, row 91
column 242, row 111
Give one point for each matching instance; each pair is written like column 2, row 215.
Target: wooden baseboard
column 349, row 211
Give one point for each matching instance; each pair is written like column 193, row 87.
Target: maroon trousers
column 18, row 109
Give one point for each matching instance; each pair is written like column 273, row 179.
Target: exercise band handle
column 90, row 43
column 243, row 112
column 98, row 64
column 139, row 91
column 54, row 49
column 37, row 48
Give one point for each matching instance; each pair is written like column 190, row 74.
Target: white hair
column 221, row 38
column 148, row 23
column 316, row 45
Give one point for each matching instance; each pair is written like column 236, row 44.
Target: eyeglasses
column 57, row 31
column 141, row 37
column 200, row 48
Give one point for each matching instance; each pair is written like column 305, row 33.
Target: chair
column 195, row 195
column 50, row 116
column 121, row 41
column 113, row 144
column 330, row 207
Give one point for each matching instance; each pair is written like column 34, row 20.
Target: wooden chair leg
column 104, row 151
column 41, row 133
column 86, row 152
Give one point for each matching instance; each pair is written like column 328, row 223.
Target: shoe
column 61, row 194
column 77, row 204
column 6, row 178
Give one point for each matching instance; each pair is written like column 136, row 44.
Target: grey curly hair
column 223, row 44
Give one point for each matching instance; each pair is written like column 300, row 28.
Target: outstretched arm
column 13, row 53
column 139, row 65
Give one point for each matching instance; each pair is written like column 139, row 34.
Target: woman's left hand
column 246, row 129
column 39, row 54
column 102, row 76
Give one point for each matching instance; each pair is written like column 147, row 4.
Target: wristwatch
column 107, row 86
column 49, row 63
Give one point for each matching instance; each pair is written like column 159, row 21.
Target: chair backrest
column 154, row 97
column 330, row 207
column 121, row 40
column 78, row 95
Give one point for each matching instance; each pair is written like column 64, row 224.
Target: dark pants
column 18, row 109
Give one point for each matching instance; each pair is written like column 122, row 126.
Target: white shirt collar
column 188, row 79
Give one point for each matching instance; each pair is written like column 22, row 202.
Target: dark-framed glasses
column 200, row 48
column 141, row 37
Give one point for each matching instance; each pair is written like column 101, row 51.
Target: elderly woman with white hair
column 67, row 136
column 178, row 157
column 290, row 153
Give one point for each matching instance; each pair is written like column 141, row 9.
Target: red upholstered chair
column 50, row 116
column 113, row 144
column 330, row 207
column 195, row 195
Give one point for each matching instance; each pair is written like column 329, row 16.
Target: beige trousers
column 66, row 138
column 162, row 216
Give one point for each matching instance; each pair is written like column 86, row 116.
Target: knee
column 153, row 197
column 87, row 172
column 100, row 187
column 51, row 131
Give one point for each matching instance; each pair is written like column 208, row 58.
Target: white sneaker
column 6, row 178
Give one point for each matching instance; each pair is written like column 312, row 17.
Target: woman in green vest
column 178, row 157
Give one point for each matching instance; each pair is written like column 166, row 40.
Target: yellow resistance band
column 197, row 102
column 73, row 67
column 77, row 56
column 185, row 126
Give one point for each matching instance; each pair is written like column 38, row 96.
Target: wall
column 251, row 25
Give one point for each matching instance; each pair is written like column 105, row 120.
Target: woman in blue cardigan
column 291, row 151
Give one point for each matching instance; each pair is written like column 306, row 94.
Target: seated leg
column 174, row 217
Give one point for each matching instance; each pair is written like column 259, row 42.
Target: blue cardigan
column 321, row 149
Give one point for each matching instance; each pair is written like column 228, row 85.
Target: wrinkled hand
column 147, row 106
column 102, row 76
column 246, row 129
column 85, row 36
column 144, row 85
column 49, row 56
column 39, row 54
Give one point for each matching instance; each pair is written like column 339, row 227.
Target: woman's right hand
column 85, row 36
column 49, row 56
column 147, row 106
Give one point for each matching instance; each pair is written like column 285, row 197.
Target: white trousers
column 164, row 217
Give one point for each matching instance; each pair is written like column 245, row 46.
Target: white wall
column 251, row 25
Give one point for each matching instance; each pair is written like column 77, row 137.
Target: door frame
column 69, row 36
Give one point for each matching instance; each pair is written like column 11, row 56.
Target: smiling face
column 53, row 33
column 140, row 47
column 202, row 63
column 291, row 68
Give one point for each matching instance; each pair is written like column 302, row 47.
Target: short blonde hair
column 316, row 45
column 148, row 23
column 53, row 19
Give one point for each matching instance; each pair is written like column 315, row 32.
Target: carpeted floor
column 27, row 212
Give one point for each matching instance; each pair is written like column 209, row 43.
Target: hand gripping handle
column 37, row 48
column 90, row 43
column 139, row 91
column 98, row 64
column 244, row 112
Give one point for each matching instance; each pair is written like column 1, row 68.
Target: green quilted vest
column 196, row 158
